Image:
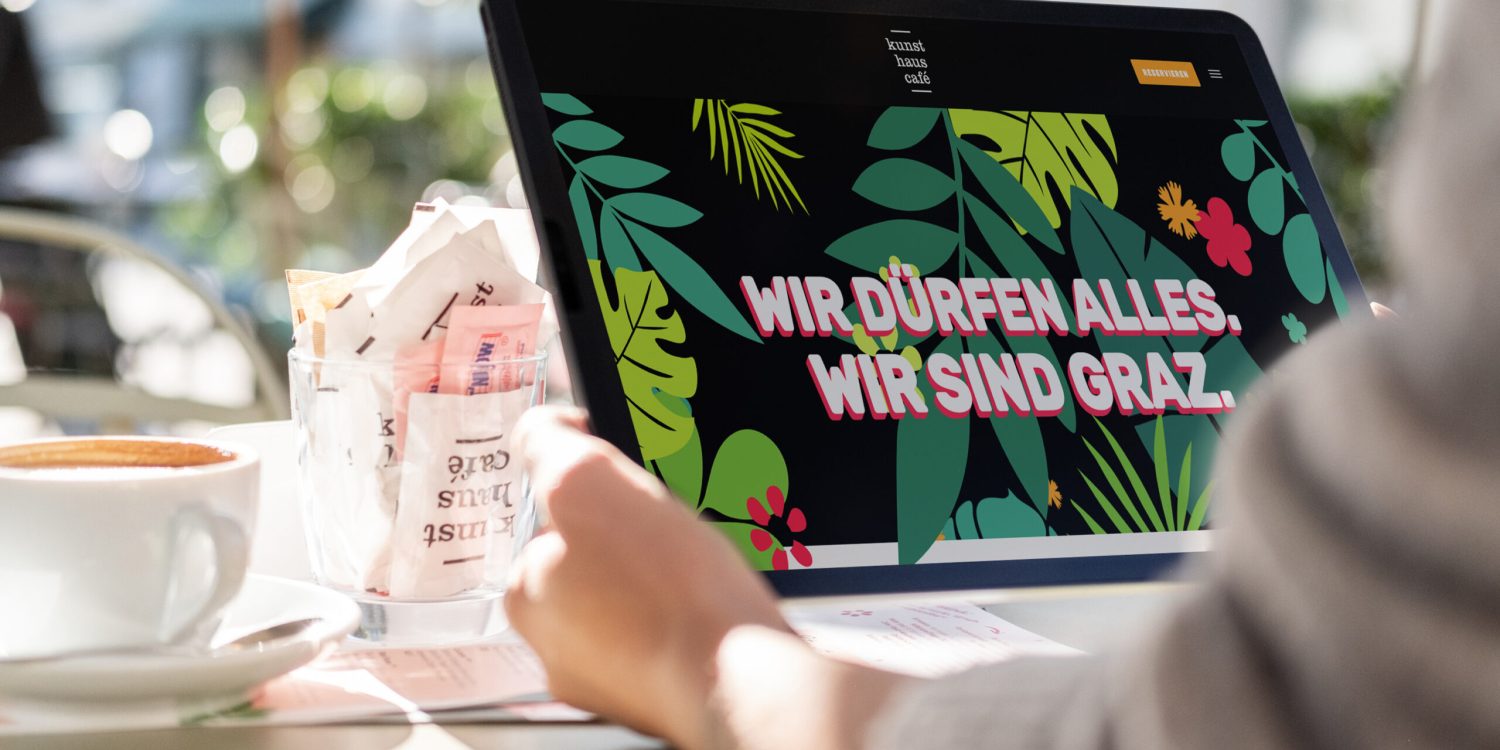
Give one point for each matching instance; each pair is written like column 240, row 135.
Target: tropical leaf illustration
column 655, row 381
column 1144, row 510
column 756, row 143
column 622, row 231
column 1302, row 248
column 931, row 457
column 991, row 210
column 1007, row 517
column 988, row 205
column 1050, row 153
column 746, row 466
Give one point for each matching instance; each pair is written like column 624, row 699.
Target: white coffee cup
column 121, row 542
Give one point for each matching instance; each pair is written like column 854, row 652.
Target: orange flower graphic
column 1054, row 495
column 1180, row 216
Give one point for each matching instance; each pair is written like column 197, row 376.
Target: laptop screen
column 886, row 291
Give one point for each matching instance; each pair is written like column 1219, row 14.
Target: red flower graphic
column 1228, row 242
column 796, row 522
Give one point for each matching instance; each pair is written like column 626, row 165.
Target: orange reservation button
column 1165, row 73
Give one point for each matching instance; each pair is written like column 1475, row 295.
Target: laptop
column 912, row 295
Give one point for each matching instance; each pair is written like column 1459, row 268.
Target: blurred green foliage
column 1347, row 137
column 340, row 154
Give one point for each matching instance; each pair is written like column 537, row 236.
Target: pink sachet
column 480, row 342
column 416, row 371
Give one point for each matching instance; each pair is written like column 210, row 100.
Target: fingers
column 571, row 472
column 528, row 577
column 1382, row 312
column 543, row 418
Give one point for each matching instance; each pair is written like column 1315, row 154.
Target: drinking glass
column 408, row 488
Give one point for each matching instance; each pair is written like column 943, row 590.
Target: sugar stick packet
column 480, row 340
column 459, row 484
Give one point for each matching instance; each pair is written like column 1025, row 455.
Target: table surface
column 1091, row 618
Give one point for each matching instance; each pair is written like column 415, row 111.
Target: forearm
column 770, row 690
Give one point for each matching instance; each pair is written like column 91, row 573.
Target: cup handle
column 231, row 558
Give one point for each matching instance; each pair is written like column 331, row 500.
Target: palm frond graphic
column 755, row 144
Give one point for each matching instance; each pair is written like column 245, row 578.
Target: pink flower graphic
column 1228, row 242
column 796, row 523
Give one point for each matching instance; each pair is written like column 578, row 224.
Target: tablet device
column 920, row 294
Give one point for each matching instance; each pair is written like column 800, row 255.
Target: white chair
column 105, row 400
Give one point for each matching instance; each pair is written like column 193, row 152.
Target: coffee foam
column 93, row 455
column 102, row 473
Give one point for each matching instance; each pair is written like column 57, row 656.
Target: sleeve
column 1351, row 599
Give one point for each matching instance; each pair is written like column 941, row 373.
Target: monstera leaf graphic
column 1046, row 149
column 655, row 381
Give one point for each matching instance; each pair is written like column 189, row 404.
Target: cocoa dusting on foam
column 97, row 455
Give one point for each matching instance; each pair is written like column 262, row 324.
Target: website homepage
column 885, row 291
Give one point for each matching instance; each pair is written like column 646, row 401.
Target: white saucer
column 263, row 602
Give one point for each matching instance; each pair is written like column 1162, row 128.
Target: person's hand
column 625, row 597
column 1382, row 312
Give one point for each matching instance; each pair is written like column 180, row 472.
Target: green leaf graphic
column 1302, row 248
column 1110, row 246
column 1031, row 344
column 621, row 172
column 583, row 214
column 1010, row 196
column 931, row 457
column 587, row 135
column 1020, row 437
column 1238, row 153
column 757, row 146
column 1268, row 201
column 747, row 463
column 565, row 104
column 619, row 252
column 682, row 471
column 656, row 210
column 1009, row 249
column 904, row 185
column 637, row 329
column 619, row 231
column 689, row 280
column 1340, row 303
column 927, row 246
column 739, row 536
column 1044, row 150
column 1304, row 258
column 900, row 128
column 1008, row 517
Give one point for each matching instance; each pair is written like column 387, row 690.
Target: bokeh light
column 405, row 96
column 224, row 108
column 306, row 90
column 310, row 183
column 238, row 148
column 353, row 89
column 127, row 134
